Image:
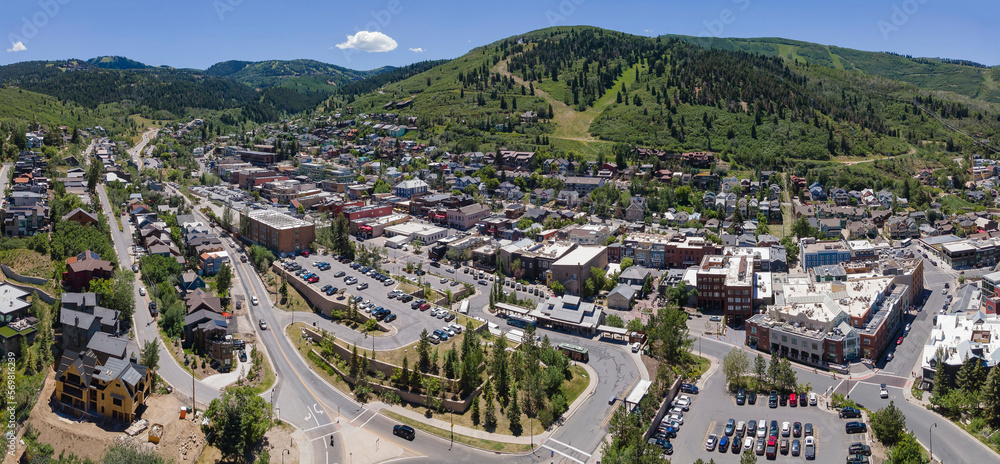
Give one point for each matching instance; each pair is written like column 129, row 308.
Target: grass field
column 955, row 203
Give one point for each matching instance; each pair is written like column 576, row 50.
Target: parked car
column 810, row 448
column 142, row 291
column 808, row 429
column 859, row 448
column 850, row 413
column 855, row 427
column 751, row 398
column 723, row 444
column 796, row 447
column 689, row 388
column 711, row 442
column 730, row 427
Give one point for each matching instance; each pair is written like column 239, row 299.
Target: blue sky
column 198, row 33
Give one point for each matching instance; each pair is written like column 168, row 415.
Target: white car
column 786, row 429
column 711, row 442
column 444, row 280
column 254, row 301
column 676, row 418
column 747, row 443
column 142, row 291
column 883, row 391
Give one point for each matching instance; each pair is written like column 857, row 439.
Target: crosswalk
column 566, row 451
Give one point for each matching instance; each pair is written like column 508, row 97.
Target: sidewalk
column 484, row 435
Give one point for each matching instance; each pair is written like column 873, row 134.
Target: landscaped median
column 538, row 387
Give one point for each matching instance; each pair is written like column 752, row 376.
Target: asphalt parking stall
column 711, row 409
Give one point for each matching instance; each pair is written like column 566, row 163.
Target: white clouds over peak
column 417, row 50
column 16, row 47
column 369, row 41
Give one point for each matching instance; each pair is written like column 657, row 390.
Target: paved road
column 136, row 152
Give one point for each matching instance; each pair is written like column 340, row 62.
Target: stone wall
column 320, row 300
column 20, row 278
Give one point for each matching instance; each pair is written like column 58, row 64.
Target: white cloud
column 648, row 31
column 369, row 41
column 417, row 50
column 17, row 47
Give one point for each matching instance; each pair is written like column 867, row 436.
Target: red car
column 305, row 253
column 313, row 279
column 425, row 307
column 899, row 341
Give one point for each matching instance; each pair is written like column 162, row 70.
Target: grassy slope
column 18, row 104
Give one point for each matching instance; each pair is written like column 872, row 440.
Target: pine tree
column 353, row 370
column 990, row 394
column 490, row 415
column 514, row 408
column 475, row 411
column 404, row 375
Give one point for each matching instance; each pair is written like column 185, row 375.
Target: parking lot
column 713, row 406
column 408, row 323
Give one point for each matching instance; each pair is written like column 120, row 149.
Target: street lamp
column 930, row 430
column 283, row 453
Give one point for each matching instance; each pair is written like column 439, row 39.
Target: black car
column 808, row 430
column 736, row 446
column 855, row 427
column 741, row 397
column 803, row 401
column 390, row 317
column 859, row 448
column 797, row 429
column 243, row 356
column 751, row 398
column 772, row 402
column 850, row 413
column 404, row 431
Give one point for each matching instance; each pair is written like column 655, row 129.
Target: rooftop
column 580, row 256
column 278, row 220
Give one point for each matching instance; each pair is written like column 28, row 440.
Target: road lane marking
column 367, row 421
column 570, row 447
column 319, row 427
column 562, row 454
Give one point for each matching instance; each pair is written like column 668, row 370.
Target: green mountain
column 116, row 62
column 593, row 88
column 311, row 74
column 967, row 78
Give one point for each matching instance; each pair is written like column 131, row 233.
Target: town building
column 589, row 234
column 279, row 232
column 726, row 284
column 820, row 253
column 959, row 337
column 584, row 185
column 667, row 251
column 465, row 217
column 22, row 221
column 833, row 322
column 574, row 267
column 416, row 231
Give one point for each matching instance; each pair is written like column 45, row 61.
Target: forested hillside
column 589, row 85
column 966, row 78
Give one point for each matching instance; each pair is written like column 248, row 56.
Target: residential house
column 81, row 217
column 208, row 332
column 22, row 221
column 900, row 227
column 83, row 268
column 211, row 262
column 113, row 389
column 191, row 281
column 410, row 188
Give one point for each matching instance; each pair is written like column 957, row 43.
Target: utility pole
column 194, row 406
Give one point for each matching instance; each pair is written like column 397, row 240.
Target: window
column 784, row 339
column 116, row 401
column 753, row 329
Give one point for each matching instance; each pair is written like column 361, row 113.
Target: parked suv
column 850, row 413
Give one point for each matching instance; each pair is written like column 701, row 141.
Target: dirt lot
column 182, row 439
